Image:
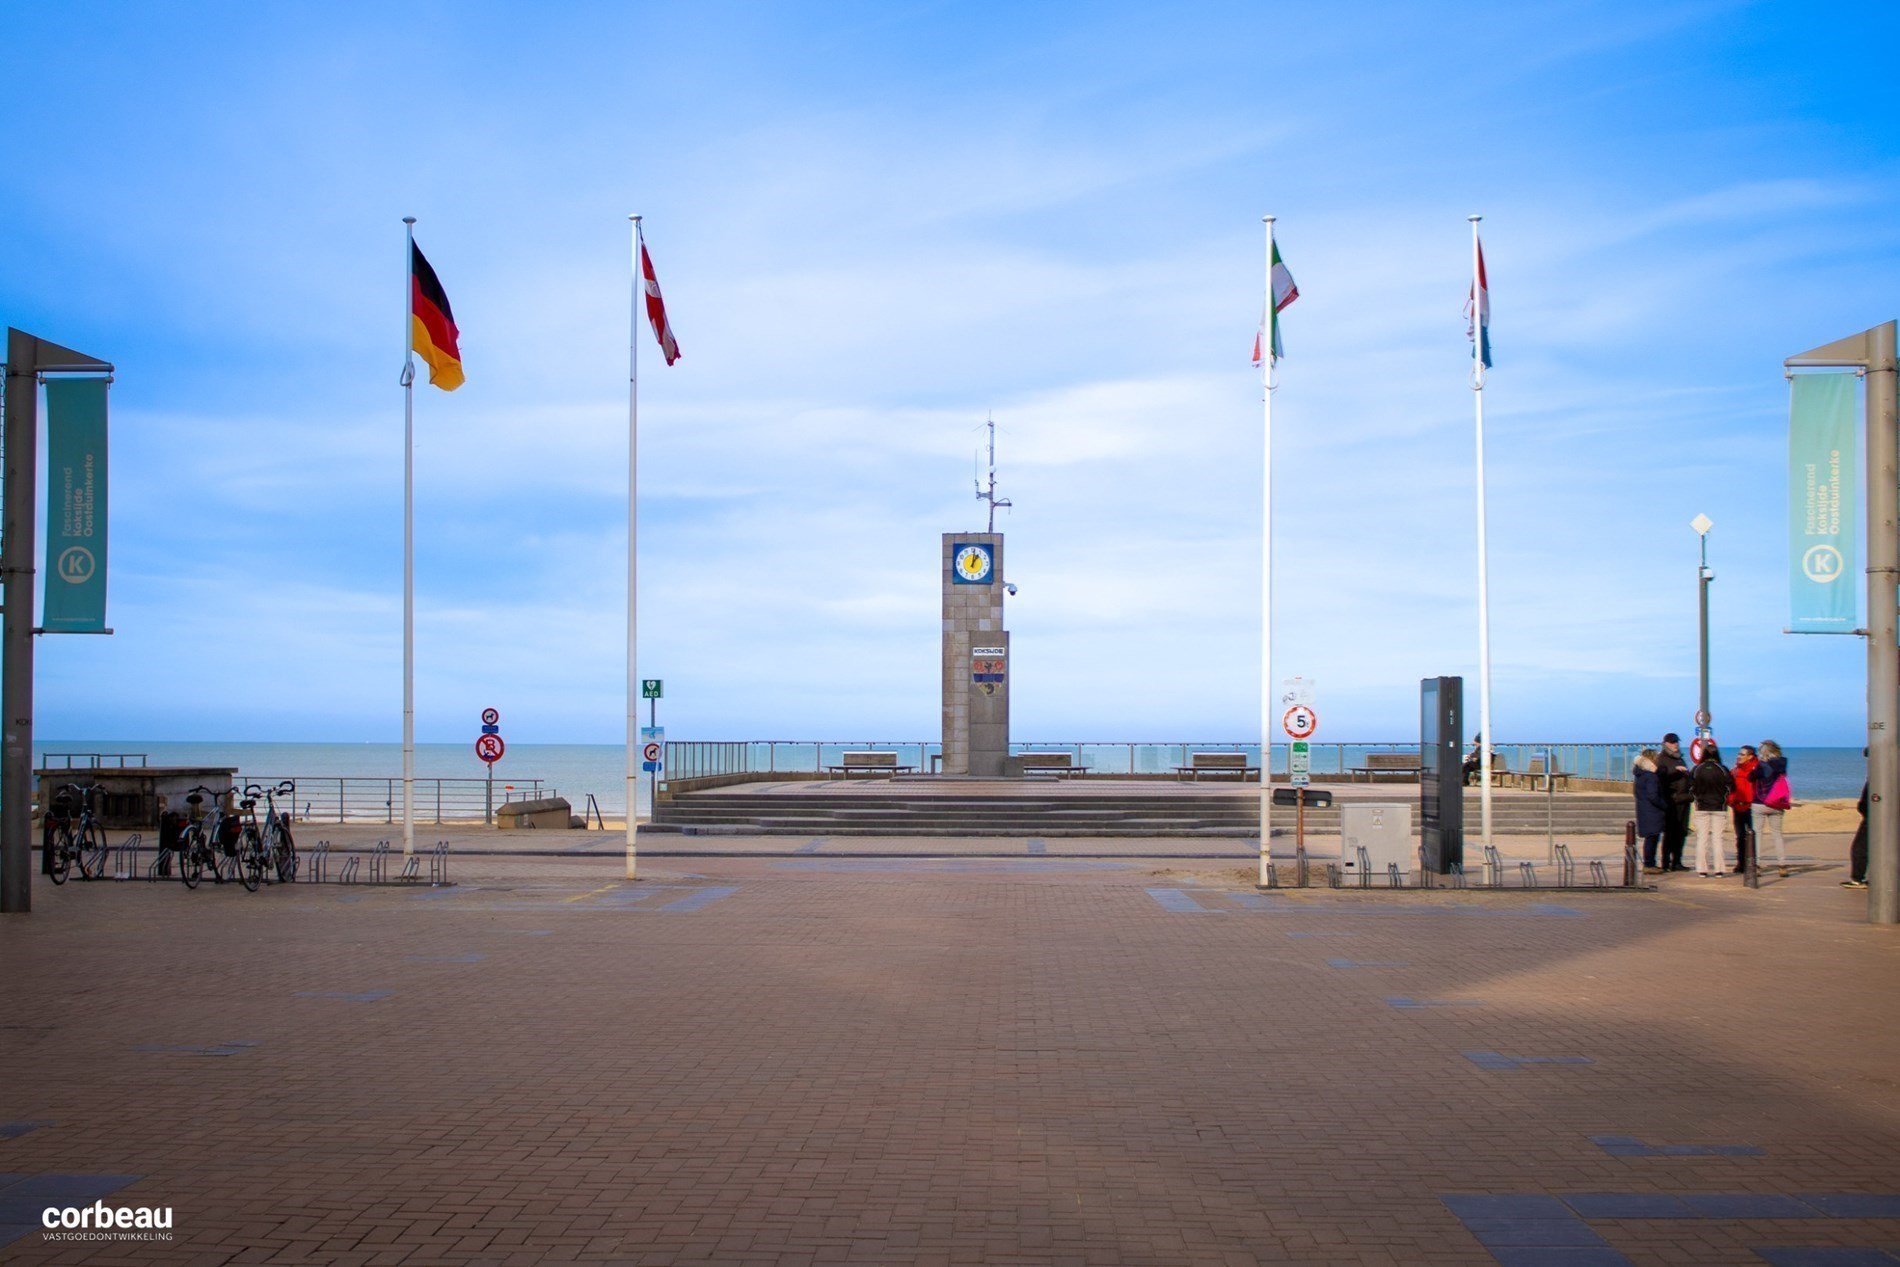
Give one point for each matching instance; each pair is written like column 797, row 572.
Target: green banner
column 1821, row 506
column 75, row 506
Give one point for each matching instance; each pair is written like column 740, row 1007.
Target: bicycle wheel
column 283, row 854
column 191, row 858
column 94, row 854
column 61, row 844
column 250, row 859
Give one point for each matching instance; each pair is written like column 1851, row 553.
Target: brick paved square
column 1057, row 1058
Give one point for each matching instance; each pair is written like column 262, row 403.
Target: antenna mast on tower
column 989, row 494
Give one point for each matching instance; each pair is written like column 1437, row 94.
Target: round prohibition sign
column 650, row 753
column 489, row 748
column 490, row 717
column 1300, row 721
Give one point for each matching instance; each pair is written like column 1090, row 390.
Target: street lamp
column 1702, row 524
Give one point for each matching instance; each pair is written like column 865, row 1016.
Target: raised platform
column 947, row 806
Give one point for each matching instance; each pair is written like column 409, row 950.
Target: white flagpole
column 1478, row 298
column 1266, row 570
column 633, row 553
column 409, row 541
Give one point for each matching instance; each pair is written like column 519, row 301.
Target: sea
column 577, row 770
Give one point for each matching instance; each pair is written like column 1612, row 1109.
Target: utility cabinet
column 1383, row 831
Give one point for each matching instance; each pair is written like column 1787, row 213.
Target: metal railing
column 367, row 799
column 689, row 759
column 91, row 760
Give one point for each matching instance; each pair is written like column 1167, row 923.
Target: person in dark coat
column 1652, row 809
column 1710, row 786
column 1672, row 772
column 1857, row 848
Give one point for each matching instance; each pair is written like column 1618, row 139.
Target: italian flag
column 1285, row 291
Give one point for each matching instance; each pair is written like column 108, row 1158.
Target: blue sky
column 875, row 225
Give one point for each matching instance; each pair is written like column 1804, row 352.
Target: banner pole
column 409, row 541
column 1266, row 568
column 1883, row 628
column 633, row 552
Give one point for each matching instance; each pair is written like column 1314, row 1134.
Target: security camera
column 1009, row 589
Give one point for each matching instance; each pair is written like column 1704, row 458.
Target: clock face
column 972, row 563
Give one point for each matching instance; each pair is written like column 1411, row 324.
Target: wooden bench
column 1059, row 764
column 884, row 763
column 1393, row 765
column 1234, row 763
column 1540, row 774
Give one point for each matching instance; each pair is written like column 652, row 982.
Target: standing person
column 1773, row 795
column 1857, row 851
column 1672, row 773
column 1652, row 807
column 1742, row 801
column 1710, row 784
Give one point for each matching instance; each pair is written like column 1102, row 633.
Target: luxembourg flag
column 1285, row 291
column 1479, row 330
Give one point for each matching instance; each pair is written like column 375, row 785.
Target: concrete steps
column 914, row 811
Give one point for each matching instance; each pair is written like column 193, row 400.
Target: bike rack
column 125, row 857
column 1365, row 867
column 439, row 864
column 1299, row 855
column 1392, row 880
column 1458, row 875
column 1425, row 877
column 1527, row 874
column 1566, row 866
column 315, row 861
column 1599, row 877
column 1273, row 878
column 1632, row 865
column 1332, row 875
column 409, row 866
column 379, row 863
column 347, row 873
column 1493, row 868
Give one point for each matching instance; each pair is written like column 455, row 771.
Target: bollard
column 1630, row 879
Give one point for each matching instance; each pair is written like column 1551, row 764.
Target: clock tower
column 975, row 656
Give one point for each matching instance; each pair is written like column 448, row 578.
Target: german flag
column 432, row 325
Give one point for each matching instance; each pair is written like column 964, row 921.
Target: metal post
column 1883, row 630
column 16, row 641
column 1703, row 718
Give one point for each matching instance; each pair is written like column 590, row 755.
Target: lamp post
column 1702, row 524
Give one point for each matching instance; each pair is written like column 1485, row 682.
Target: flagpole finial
column 1268, row 219
column 1474, row 219
column 408, row 219
column 635, row 219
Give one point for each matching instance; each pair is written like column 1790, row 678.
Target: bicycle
column 75, row 837
column 203, row 842
column 268, row 848
column 280, row 851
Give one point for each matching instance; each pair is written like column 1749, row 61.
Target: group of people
column 1673, row 795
